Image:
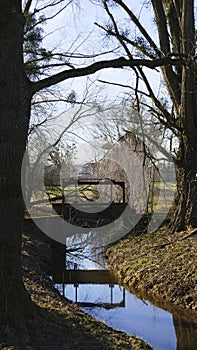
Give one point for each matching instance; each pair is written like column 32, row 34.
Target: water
column 118, row 308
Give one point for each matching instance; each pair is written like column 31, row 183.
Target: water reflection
column 133, row 316
column 96, row 291
column 186, row 333
column 90, row 296
column 94, row 279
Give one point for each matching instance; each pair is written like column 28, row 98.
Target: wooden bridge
column 89, row 212
column 76, row 183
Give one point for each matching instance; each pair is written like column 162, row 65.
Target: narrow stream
column 91, row 285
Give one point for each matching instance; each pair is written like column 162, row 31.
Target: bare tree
column 176, row 40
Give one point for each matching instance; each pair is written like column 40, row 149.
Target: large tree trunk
column 185, row 211
column 14, row 301
column 185, row 206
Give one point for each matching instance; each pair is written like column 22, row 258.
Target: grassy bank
column 58, row 324
column 160, row 266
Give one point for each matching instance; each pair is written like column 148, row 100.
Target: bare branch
column 170, row 76
column 123, row 85
column 55, row 14
column 160, row 117
column 177, row 5
column 166, row 114
column 35, row 126
column 61, row 55
column 27, row 6
column 117, row 34
column 52, row 4
column 97, row 66
column 47, row 66
column 155, row 143
column 139, row 26
column 127, row 40
column 175, row 28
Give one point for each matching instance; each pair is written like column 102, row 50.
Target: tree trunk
column 185, row 211
column 15, row 103
column 185, row 206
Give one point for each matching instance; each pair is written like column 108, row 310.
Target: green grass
column 163, row 196
column 165, row 186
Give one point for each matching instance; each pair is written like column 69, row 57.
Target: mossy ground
column 57, row 323
column 160, row 265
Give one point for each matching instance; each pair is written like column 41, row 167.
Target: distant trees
column 60, row 158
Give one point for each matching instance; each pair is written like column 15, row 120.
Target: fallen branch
column 192, row 233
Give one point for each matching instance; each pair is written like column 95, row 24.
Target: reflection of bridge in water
column 99, row 277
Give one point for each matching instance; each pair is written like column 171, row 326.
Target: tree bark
column 185, row 205
column 184, row 98
column 14, row 112
column 186, row 201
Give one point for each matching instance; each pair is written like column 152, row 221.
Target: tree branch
column 124, row 86
column 51, row 4
column 35, row 126
column 117, row 34
column 27, row 6
column 158, row 104
column 169, row 123
column 155, row 143
column 97, row 66
column 128, row 41
column 170, row 76
column 139, row 26
column 58, row 56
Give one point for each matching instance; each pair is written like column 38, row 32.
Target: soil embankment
column 159, row 265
